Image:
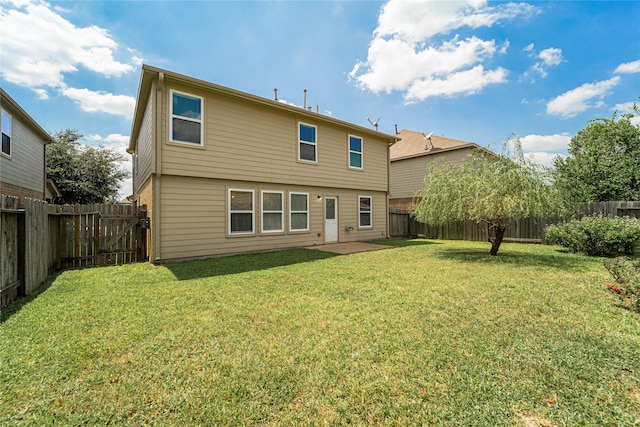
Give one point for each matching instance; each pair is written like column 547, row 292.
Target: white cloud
column 534, row 143
column 551, row 56
column 628, row 67
column 102, row 102
column 547, row 58
column 467, row 82
column 402, row 57
column 417, row 21
column 578, row 100
column 40, row 47
column 114, row 139
column 42, row 94
column 542, row 158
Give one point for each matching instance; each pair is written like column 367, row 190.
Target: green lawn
column 426, row 333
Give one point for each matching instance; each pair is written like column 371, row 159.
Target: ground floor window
column 272, row 211
column 298, row 211
column 364, row 212
column 241, row 211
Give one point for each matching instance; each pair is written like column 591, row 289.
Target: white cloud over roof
column 102, row 102
column 403, row 57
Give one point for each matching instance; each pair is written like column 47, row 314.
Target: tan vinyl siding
column 407, row 175
column 25, row 167
column 143, row 148
column 249, row 142
column 194, row 218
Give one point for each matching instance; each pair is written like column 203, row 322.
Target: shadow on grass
column 19, row 303
column 401, row 243
column 559, row 260
column 244, row 263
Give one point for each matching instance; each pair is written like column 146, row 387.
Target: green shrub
column 626, row 273
column 596, row 235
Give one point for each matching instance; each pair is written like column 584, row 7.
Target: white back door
column 330, row 219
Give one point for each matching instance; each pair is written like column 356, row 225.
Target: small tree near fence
column 489, row 189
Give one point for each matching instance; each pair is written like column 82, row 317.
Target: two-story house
column 22, row 156
column 223, row 171
column 410, row 158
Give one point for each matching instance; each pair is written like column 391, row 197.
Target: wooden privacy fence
column 23, row 248
column 37, row 239
column 527, row 230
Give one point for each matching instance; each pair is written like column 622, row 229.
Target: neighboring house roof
column 5, row 99
column 149, row 73
column 51, row 190
column 415, row 144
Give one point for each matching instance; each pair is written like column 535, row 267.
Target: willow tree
column 487, row 188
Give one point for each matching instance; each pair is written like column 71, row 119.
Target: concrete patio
column 349, row 247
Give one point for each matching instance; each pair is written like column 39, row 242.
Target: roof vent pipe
column 305, row 99
column 275, row 91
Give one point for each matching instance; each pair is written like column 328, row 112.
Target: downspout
column 157, row 141
column 389, row 144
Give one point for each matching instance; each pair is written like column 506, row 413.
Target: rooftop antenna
column 305, row 99
column 428, row 138
column 374, row 124
column 275, row 91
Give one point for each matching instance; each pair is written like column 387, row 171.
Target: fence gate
column 95, row 234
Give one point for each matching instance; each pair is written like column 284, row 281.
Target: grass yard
column 427, row 333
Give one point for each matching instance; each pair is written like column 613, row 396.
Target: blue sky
column 470, row 70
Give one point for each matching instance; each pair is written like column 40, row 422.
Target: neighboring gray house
column 22, row 156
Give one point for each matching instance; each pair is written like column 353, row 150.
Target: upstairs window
column 272, row 211
column 186, row 118
column 299, row 211
column 6, row 133
column 241, row 211
column 355, row 152
column 364, row 212
column 307, row 142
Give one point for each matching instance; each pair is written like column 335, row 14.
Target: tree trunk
column 495, row 243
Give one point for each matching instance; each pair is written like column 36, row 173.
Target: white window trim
column 264, row 211
column 361, row 152
column 291, row 212
column 10, row 135
column 315, row 144
column 172, row 116
column 361, row 212
column 252, row 212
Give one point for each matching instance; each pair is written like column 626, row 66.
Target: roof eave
column 43, row 134
column 431, row 153
column 149, row 72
